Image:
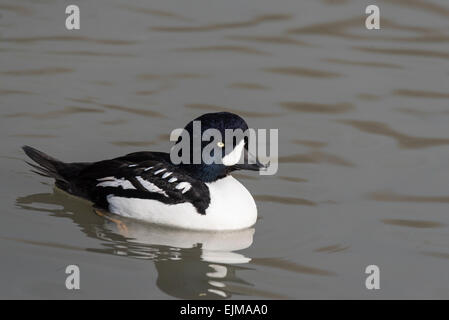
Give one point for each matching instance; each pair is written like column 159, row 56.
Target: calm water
column 364, row 145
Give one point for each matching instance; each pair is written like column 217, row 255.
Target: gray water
column 363, row 140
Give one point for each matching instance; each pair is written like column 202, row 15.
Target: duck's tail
column 47, row 166
column 64, row 173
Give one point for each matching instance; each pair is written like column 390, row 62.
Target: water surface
column 364, row 145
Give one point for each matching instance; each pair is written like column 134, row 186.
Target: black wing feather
column 81, row 179
column 119, row 168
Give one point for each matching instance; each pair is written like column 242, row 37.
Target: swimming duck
column 148, row 186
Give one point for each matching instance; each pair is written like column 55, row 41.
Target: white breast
column 232, row 208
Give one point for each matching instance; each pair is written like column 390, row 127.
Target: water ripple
column 316, row 157
column 211, row 107
column 227, row 25
column 291, row 266
column 53, row 114
column 413, row 223
column 373, row 64
column 269, row 39
column 404, row 141
column 284, row 200
column 224, row 48
column 63, row 38
column 406, row 52
column 248, row 86
column 37, row 72
column 310, row 107
column 421, row 94
column 395, row 197
column 303, row 72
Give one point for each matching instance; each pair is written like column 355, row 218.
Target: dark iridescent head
column 213, row 145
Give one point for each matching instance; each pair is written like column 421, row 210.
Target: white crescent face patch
column 234, row 156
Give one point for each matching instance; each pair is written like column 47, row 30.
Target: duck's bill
column 251, row 163
column 252, row 166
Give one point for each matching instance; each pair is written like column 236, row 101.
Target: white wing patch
column 106, row 178
column 185, row 186
column 167, row 174
column 159, row 171
column 150, row 186
column 114, row 182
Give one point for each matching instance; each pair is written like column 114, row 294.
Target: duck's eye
column 220, row 144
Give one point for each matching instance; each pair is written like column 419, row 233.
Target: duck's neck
column 206, row 173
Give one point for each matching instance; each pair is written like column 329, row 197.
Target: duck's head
column 213, row 154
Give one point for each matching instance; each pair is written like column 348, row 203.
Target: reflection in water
column 190, row 264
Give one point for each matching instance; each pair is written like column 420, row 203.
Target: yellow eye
column 220, row 144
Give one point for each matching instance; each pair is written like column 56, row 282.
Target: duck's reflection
column 191, row 265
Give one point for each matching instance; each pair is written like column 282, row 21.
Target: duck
column 150, row 187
